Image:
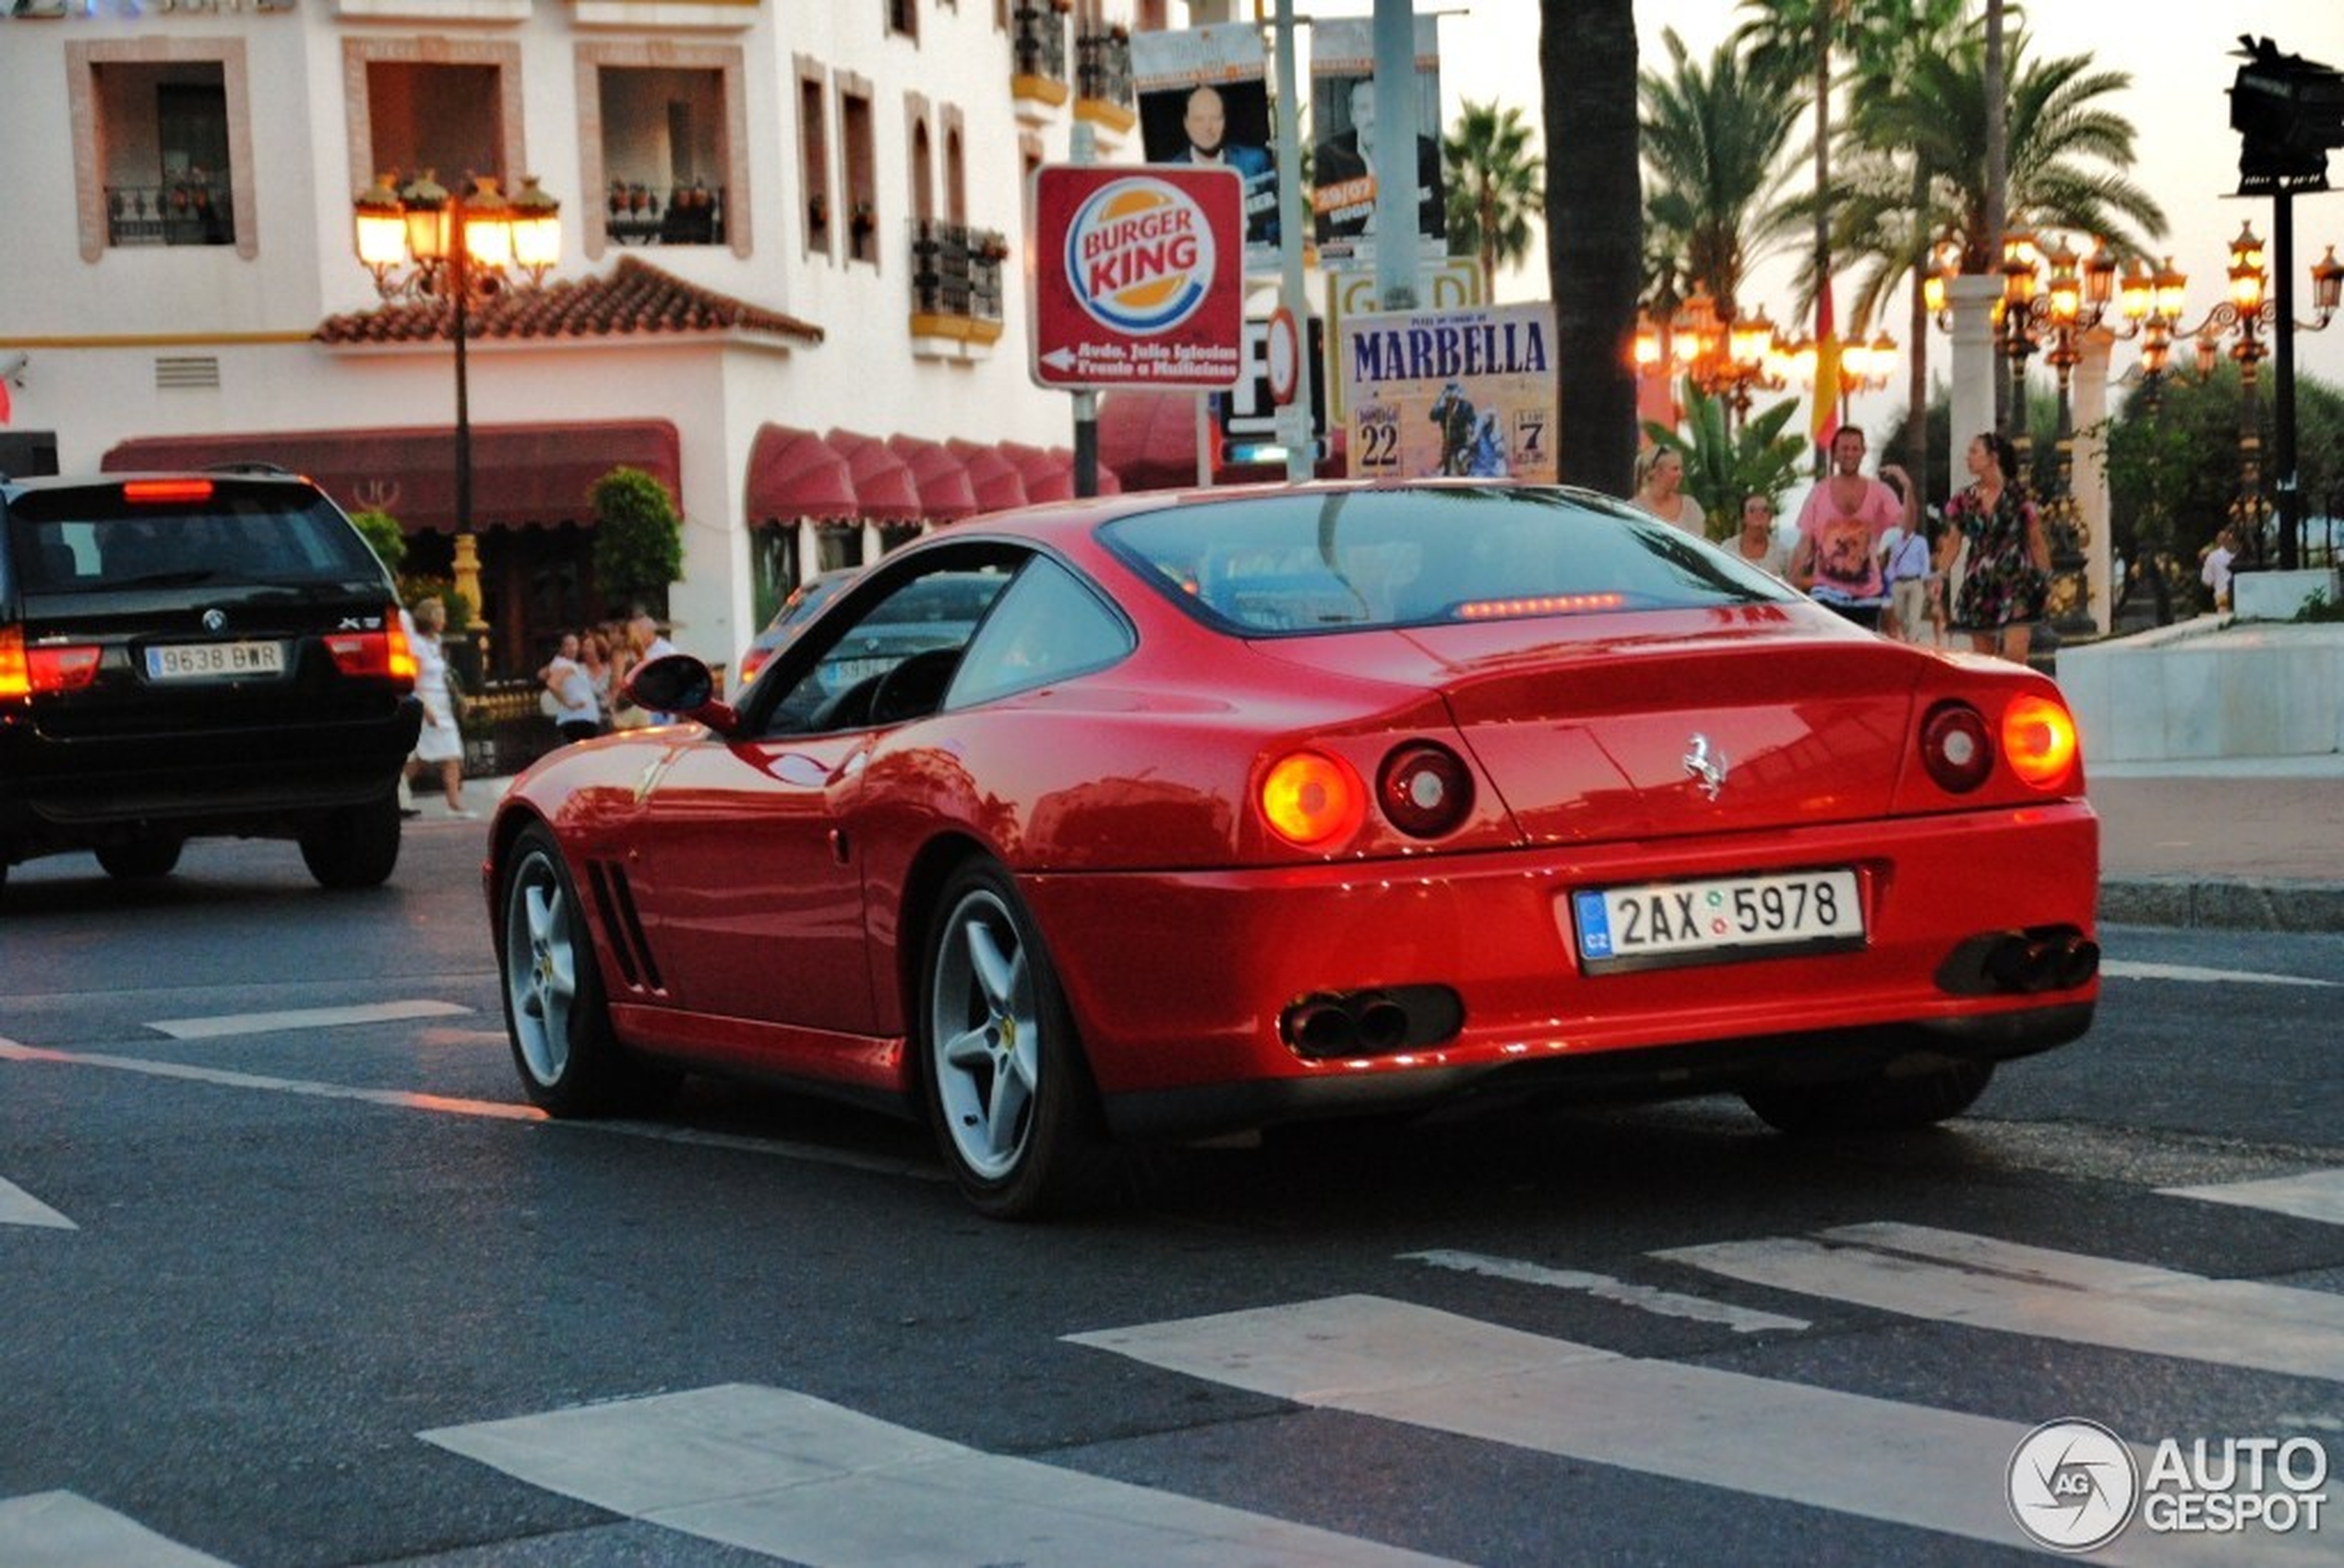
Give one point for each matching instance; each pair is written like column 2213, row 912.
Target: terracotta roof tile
column 634, row 296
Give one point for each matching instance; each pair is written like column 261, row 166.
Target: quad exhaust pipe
column 2031, row 962
column 1371, row 1023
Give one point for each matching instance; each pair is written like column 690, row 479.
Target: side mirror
column 681, row 684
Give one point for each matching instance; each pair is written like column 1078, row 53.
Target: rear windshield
column 1344, row 560
column 93, row 540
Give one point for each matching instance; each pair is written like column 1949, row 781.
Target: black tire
column 141, row 859
column 355, row 847
column 1886, row 1101
column 1008, row 1090
column 556, row 1016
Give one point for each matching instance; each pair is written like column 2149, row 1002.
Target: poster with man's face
column 1343, row 141
column 1204, row 99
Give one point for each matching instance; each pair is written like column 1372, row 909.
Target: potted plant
column 639, row 539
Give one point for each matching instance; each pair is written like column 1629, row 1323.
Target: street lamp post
column 1725, row 357
column 427, row 242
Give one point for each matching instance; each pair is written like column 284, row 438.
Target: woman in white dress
column 441, row 744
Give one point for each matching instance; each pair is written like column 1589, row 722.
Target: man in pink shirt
column 1840, row 528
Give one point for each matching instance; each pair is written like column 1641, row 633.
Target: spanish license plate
column 840, row 674
column 1718, row 920
column 212, row 661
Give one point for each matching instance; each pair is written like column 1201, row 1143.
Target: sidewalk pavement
column 2247, row 843
column 2243, row 844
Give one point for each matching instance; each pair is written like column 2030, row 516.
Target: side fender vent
column 636, row 965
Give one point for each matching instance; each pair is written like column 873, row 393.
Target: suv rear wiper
column 182, row 577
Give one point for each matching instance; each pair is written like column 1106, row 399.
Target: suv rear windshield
column 94, row 539
column 1344, row 560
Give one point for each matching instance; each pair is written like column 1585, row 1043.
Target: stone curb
column 2189, row 901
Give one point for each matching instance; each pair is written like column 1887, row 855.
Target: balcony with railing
column 641, row 214
column 184, row 213
column 1039, row 84
column 956, row 288
column 1103, row 90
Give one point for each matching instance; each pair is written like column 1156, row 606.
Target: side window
column 1047, row 626
column 893, row 662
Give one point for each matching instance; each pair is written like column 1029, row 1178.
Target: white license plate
column 840, row 674
column 1717, row 920
column 210, row 661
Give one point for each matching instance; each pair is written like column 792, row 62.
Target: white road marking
column 1982, row 1282
column 301, row 1018
column 2124, row 969
column 449, row 1105
column 1667, row 1303
column 1905, row 1464
column 2316, row 1194
column 57, row 1529
column 799, row 1477
column 20, row 1207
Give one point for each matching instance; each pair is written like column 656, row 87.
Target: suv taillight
column 44, row 668
column 382, row 653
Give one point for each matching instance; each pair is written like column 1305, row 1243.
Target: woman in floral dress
column 2007, row 571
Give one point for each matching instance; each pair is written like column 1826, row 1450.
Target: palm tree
column 1714, row 145
column 2067, row 152
column 1496, row 185
column 1594, row 231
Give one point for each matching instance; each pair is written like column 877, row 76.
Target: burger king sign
column 1138, row 277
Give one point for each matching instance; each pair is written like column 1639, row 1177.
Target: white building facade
column 790, row 280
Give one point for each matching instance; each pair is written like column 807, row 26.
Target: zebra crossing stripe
column 2316, row 1194
column 1908, row 1464
column 303, row 1018
column 795, row 1477
column 57, row 1529
column 20, row 1207
column 1982, row 1282
column 1667, row 1303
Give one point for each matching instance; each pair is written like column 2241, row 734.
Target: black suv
column 197, row 655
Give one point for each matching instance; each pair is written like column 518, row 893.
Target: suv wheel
column 140, row 858
column 356, row 846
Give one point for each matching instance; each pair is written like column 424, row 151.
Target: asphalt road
column 289, row 1276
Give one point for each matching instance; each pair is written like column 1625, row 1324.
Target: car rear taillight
column 2038, row 737
column 1425, row 790
column 166, row 492
column 1955, row 747
column 1312, row 800
column 382, row 653
column 44, row 668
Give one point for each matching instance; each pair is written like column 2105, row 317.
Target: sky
column 2179, row 58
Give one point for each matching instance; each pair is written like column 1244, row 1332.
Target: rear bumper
column 259, row 783
column 1177, row 981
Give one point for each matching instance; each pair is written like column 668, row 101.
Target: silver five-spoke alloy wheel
column 985, row 1029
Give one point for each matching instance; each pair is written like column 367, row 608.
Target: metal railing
column 956, row 270
column 639, row 214
column 1037, row 41
column 1103, row 67
column 185, row 213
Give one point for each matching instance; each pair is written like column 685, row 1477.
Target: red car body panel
column 760, row 903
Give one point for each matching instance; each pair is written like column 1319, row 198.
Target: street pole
column 1085, row 149
column 1395, row 153
column 2284, row 478
column 1293, row 432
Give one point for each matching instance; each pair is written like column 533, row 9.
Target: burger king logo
column 1139, row 255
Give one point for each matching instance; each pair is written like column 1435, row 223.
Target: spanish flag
column 1823, row 421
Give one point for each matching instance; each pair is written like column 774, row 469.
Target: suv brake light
column 166, row 491
column 382, row 652
column 42, row 669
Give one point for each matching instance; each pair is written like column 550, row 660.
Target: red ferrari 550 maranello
column 1158, row 816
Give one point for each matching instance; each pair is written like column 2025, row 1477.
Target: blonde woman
column 1660, row 479
column 440, row 745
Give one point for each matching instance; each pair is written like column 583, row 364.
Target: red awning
column 523, row 475
column 992, row 476
column 1149, row 439
column 884, row 491
column 946, row 495
column 1049, row 476
column 796, row 473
